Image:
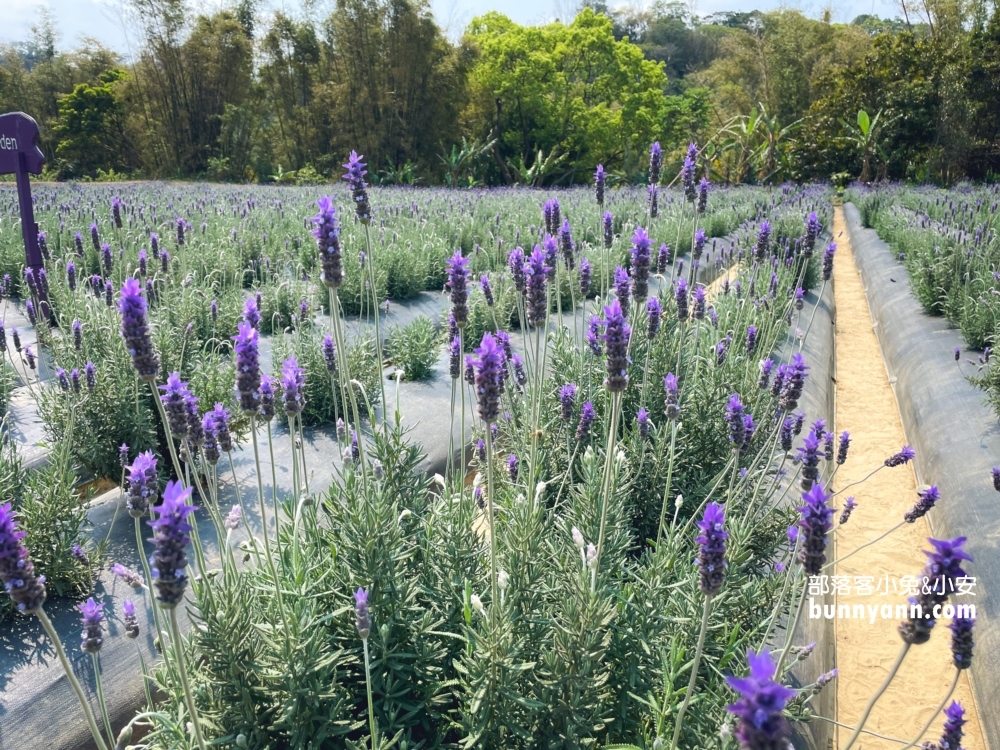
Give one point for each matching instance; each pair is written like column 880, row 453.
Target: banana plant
column 544, row 166
column 461, row 163
column 864, row 137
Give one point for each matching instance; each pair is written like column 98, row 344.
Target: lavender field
column 401, row 467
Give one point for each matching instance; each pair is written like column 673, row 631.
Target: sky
column 103, row 20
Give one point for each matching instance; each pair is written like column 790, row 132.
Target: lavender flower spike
column 17, row 573
column 143, row 484
column 248, row 377
column 944, row 565
column 759, row 710
column 814, row 523
column 135, row 330
column 355, row 175
column 712, row 550
column 905, row 455
column 458, row 279
column 130, row 620
column 616, row 337
column 673, row 409
column 293, row 383
column 93, row 630
column 488, row 368
column 327, row 234
column 362, row 619
column 961, row 642
column 170, row 539
column 641, row 258
column 926, row 498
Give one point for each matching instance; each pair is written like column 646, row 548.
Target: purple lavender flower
column 793, row 382
column 165, row 261
column 154, row 244
column 520, row 376
column 765, row 367
column 515, row 261
column 600, row 178
column 78, row 243
column 828, row 451
column 362, row 619
column 469, row 374
column 641, row 257
column 107, row 258
column 293, row 381
column 926, row 498
column 16, row 338
column 488, row 367
column 594, row 338
column 210, row 444
column 513, row 466
column 688, row 174
column 251, row 312
column 786, row 434
column 17, row 572
column 609, row 230
column 733, row 416
column 751, row 341
column 455, row 358
column 642, row 423
column 905, row 455
column 961, row 642
column 845, row 514
column 551, row 249
column 129, row 619
column 944, row 565
column 809, row 456
column 951, row 735
column 699, row 244
column 128, row 576
column 567, row 245
column 62, row 379
column 621, row 286
column 109, row 293
column 698, row 303
column 655, row 163
column 586, row 270
column 143, row 262
column 71, row 275
column 763, row 241
column 721, row 349
column 673, row 409
column 170, row 538
column 537, row 301
column 458, row 280
column 220, row 427
column 654, row 201
column 143, row 484
column 712, row 550
column 175, row 404
column 329, row 350
column 567, row 398
column 814, row 524
column 267, row 399
column 135, row 330
column 828, row 261
column 799, row 299
column 181, row 226
column 355, row 175
column 813, row 228
column 844, row 445
column 484, row 284
column 703, row 195
column 77, row 328
column 681, row 296
column 662, row 259
column 653, row 316
column 327, row 234
column 248, row 377
column 616, row 336
column 759, row 709
column 587, row 415
column 93, row 627
column 90, row 375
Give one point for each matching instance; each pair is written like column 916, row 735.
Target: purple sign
column 20, row 155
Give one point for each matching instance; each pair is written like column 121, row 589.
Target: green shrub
column 415, row 347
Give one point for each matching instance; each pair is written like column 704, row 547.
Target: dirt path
column 866, row 406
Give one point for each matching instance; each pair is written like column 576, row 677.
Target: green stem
column 95, row 658
column 175, row 633
column 706, row 612
column 71, row 676
column 616, row 401
column 371, row 703
column 670, row 473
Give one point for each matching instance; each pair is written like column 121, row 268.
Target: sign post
column 20, row 155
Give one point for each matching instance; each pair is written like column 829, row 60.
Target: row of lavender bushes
column 949, row 240
column 623, row 547
column 201, row 251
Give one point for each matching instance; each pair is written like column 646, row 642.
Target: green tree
column 91, row 130
column 571, row 90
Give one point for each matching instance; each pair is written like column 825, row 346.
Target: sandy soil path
column 866, row 406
